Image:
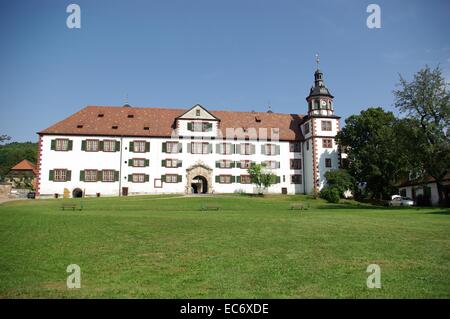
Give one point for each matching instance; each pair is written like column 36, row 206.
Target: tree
column 371, row 142
column 4, row 138
column 331, row 194
column 261, row 176
column 340, row 180
column 13, row 153
column 426, row 102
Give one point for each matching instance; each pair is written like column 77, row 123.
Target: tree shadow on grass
column 440, row 212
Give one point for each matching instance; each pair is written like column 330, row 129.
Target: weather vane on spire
column 317, row 60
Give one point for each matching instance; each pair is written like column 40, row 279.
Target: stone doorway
column 199, row 179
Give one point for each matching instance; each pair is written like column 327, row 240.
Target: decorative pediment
column 199, row 164
column 198, row 112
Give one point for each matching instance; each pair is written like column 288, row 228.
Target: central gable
column 198, row 112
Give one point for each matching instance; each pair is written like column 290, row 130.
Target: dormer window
column 199, row 126
column 257, row 119
column 79, row 126
column 100, row 115
column 114, row 127
column 146, row 128
column 130, row 116
column 197, row 112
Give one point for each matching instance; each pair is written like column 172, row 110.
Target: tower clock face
column 323, row 103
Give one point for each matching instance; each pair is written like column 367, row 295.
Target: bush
column 331, row 194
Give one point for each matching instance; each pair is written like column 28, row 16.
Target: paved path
column 4, row 200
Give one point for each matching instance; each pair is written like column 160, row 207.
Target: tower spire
column 317, row 60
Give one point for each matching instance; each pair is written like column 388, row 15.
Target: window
column 225, row 179
column 272, row 164
column 327, row 143
column 328, row 162
column 60, row 175
column 171, row 162
column 138, row 162
column 139, row 146
column 326, row 125
column 224, row 164
column 171, row 178
column 90, row 175
column 295, row 147
column 108, row 175
column 199, row 126
column 225, row 148
column 296, row 163
column 246, row 164
column 247, row 149
column 197, row 112
column 62, row 144
column 109, row 146
column 92, row 145
column 199, row 148
column 172, row 147
column 138, row 178
column 270, row 149
column 307, row 128
column 296, row 179
column 246, row 179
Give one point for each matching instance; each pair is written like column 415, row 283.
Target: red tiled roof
column 423, row 181
column 99, row 120
column 24, row 165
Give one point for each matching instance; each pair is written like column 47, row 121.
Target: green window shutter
column 147, row 177
column 51, row 175
column 233, row 164
column 83, row 145
column 217, row 164
column 179, row 163
column 164, row 147
column 233, row 179
column 70, row 145
column 209, row 148
column 238, row 179
column 217, row 149
column 180, row 147
column 277, row 149
column 100, row 146
column 99, row 176
column 217, row 179
column 146, row 162
column 163, row 163
column 209, row 126
column 278, row 165
column 189, row 147
column 117, row 146
column 278, row 179
column 68, row 176
column 130, row 177
column 238, row 164
column 263, row 149
column 179, row 178
column 53, row 145
column 131, row 146
column 147, row 146
column 233, row 149
column 163, row 178
column 238, row 149
column 130, row 162
column 116, row 176
column 81, row 176
column 253, row 149
column 189, row 126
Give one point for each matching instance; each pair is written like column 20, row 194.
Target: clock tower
column 319, row 128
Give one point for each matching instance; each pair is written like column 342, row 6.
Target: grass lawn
column 158, row 247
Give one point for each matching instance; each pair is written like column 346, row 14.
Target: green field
column 158, row 247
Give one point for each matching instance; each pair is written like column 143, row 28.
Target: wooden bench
column 71, row 206
column 206, row 207
column 299, row 206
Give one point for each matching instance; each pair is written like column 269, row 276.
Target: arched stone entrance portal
column 77, row 193
column 199, row 185
column 199, row 179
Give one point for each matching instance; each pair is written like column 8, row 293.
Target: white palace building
column 105, row 150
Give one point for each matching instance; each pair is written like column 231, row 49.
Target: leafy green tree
column 331, row 194
column 261, row 176
column 426, row 102
column 340, row 179
column 13, row 153
column 371, row 144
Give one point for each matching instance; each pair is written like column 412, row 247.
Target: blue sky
column 223, row 54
